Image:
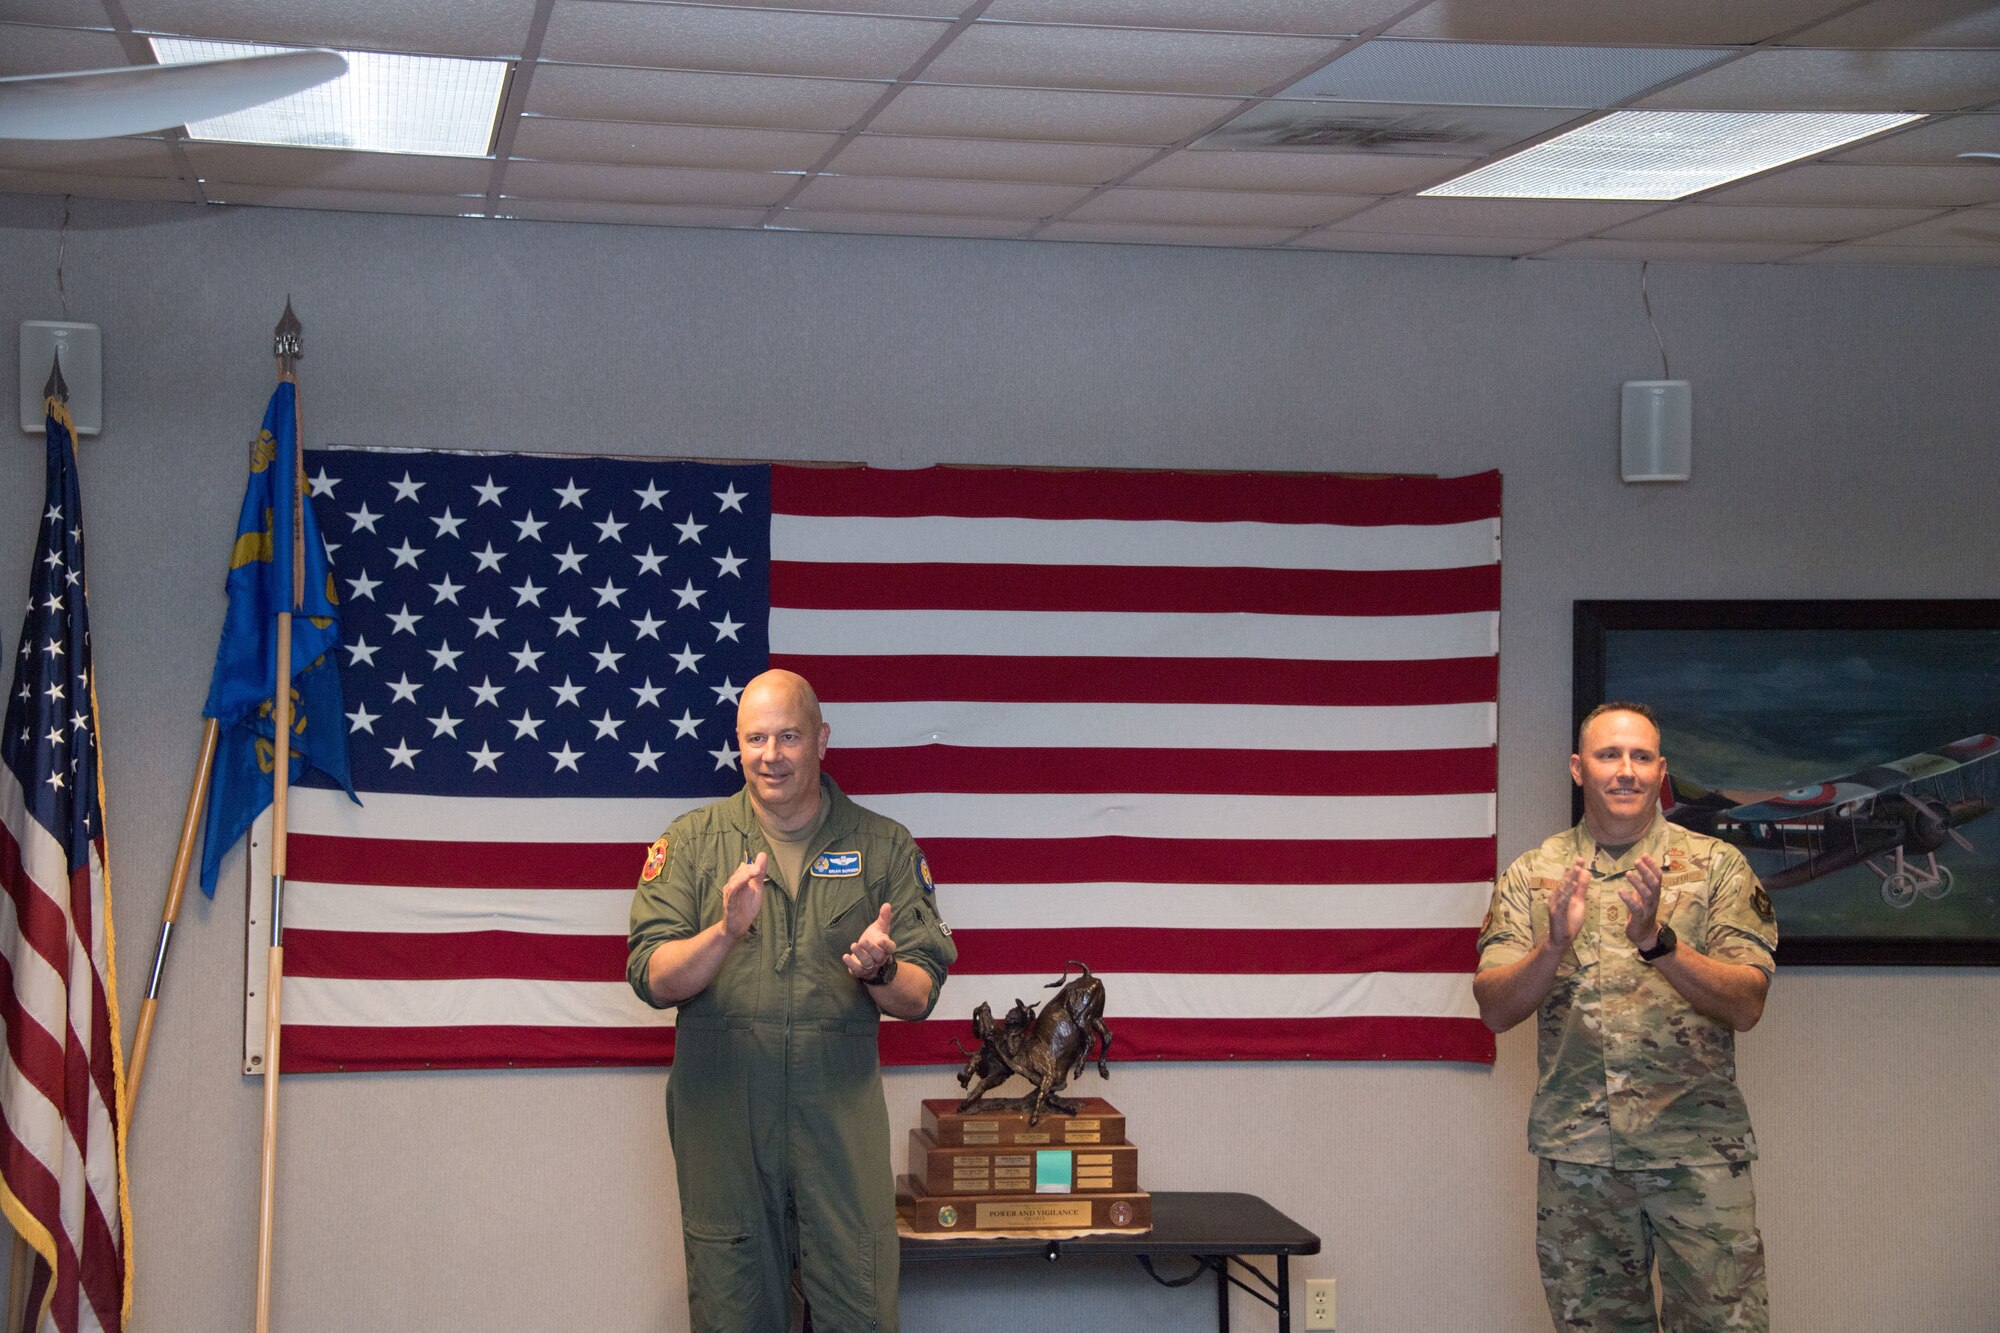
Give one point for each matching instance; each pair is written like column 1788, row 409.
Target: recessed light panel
column 1665, row 154
column 434, row 105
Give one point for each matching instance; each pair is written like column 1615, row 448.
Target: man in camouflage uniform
column 1642, row 949
column 783, row 922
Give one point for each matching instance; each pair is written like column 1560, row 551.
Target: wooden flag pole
column 288, row 350
column 176, row 885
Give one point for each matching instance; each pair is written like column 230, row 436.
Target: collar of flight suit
column 841, row 818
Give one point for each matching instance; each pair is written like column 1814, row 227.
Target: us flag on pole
column 1228, row 739
column 62, row 1176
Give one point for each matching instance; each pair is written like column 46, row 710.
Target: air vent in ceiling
column 1380, row 127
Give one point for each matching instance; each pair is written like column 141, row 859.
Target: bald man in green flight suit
column 783, row 922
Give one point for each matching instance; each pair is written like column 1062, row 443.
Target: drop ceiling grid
column 1067, row 119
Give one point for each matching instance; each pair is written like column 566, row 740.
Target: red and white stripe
column 1229, row 740
column 60, row 1163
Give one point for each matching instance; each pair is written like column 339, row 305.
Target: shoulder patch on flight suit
column 656, row 860
column 924, row 872
column 1762, row 902
column 836, row 865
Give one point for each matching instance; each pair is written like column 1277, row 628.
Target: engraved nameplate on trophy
column 980, row 1169
column 929, row 1214
column 1096, row 1122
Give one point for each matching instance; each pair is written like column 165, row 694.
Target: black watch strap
column 882, row 975
column 1662, row 946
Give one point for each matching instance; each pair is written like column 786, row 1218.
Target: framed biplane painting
column 1851, row 749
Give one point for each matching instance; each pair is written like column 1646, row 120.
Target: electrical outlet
column 1319, row 1302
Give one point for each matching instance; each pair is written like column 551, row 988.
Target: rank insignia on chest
column 656, row 860
column 837, row 865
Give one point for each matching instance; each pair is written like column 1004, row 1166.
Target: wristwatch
column 1662, row 946
column 882, row 975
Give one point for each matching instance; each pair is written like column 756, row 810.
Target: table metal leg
column 1284, row 1294
column 1222, row 1296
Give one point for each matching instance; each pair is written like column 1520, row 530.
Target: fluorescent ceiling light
column 434, row 105
column 1665, row 154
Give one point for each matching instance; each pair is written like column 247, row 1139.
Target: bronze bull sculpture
column 1048, row 1049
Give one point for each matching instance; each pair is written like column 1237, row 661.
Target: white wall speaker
column 1656, row 431
column 82, row 348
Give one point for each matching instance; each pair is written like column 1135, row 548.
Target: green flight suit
column 774, row 1105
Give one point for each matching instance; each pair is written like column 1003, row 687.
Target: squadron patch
column 1762, row 902
column 924, row 872
column 656, row 860
column 837, row 865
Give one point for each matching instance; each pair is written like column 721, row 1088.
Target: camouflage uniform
column 1643, row 1135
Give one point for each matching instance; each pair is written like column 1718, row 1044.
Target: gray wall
column 1846, row 445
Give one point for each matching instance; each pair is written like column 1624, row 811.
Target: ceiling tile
column 93, row 187
column 1922, row 23
column 1965, row 226
column 1383, row 127
column 1684, row 22
column 1410, row 244
column 30, row 50
column 1034, row 113
column 1930, row 141
column 902, row 224
column 1716, row 222
column 1036, row 56
column 1218, row 208
column 1685, row 252
column 1582, row 78
column 551, row 140
column 327, row 168
column 741, row 41
column 1927, row 256
column 1127, row 233
column 345, row 201
column 593, row 93
column 110, row 157
column 1946, row 187
column 1311, row 18
column 938, row 9
column 645, row 215
column 987, row 159
column 642, row 185
column 491, row 28
column 985, row 199
column 1791, row 79
column 1560, row 219
column 1331, row 173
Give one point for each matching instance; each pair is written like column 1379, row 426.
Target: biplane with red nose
column 1893, row 818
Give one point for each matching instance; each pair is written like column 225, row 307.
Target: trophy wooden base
column 927, row 1214
column 1096, row 1121
column 988, row 1169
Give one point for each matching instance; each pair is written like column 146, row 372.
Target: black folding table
column 1217, row 1231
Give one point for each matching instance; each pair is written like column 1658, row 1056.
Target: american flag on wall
column 62, row 1161
column 1229, row 739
